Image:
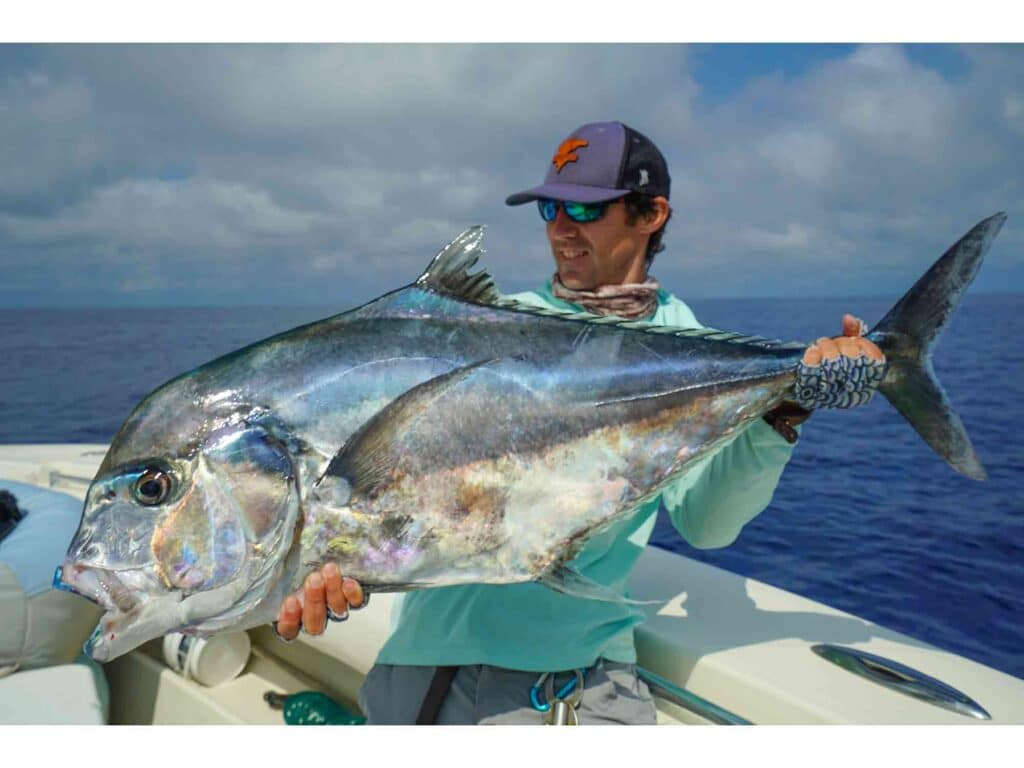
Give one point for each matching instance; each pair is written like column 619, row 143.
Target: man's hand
column 325, row 593
column 842, row 372
column 851, row 344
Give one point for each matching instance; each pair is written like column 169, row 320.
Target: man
column 476, row 653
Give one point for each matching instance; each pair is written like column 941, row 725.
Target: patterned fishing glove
column 843, row 382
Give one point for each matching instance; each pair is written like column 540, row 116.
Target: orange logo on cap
column 567, row 152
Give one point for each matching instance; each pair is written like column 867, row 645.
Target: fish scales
column 519, row 503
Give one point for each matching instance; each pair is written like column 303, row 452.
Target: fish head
column 182, row 539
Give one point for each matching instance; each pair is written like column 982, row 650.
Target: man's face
column 608, row 251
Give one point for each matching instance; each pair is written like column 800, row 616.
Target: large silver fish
column 438, row 435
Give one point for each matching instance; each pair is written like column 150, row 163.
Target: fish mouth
column 97, row 585
column 131, row 616
column 105, row 589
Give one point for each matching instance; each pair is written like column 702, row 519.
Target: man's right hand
column 323, row 589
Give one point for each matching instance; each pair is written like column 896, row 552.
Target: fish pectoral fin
column 368, row 459
column 564, row 579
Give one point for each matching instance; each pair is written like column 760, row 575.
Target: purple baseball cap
column 600, row 162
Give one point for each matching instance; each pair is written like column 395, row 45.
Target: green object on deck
column 312, row 708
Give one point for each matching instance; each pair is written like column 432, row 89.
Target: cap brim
column 575, row 193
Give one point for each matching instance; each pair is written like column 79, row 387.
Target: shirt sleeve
column 711, row 503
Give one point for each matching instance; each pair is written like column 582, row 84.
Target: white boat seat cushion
column 41, row 626
column 68, row 694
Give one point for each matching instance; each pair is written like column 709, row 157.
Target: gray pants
column 480, row 694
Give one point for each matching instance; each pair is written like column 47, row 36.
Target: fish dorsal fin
column 448, row 273
column 711, row 334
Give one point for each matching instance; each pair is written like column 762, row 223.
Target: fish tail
column 907, row 335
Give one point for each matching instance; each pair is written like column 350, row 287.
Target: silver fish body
column 437, row 435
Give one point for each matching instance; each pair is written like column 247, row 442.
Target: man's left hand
column 851, row 344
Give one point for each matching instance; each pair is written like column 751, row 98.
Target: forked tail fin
column 908, row 334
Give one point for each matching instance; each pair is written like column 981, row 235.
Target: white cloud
column 414, row 234
column 807, row 157
column 186, row 214
column 793, row 237
column 344, row 168
column 47, row 134
column 878, row 97
column 871, row 163
column 1013, row 108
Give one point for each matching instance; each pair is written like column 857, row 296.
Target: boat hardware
column 691, row 702
column 275, row 700
column 902, row 679
column 58, row 479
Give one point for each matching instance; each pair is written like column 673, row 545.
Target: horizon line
column 893, row 296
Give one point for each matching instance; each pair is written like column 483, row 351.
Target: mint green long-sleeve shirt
column 534, row 628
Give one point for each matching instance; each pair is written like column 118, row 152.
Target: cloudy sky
column 327, row 174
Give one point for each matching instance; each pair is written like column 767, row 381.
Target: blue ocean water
column 866, row 517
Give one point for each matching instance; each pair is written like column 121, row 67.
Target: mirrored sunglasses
column 581, row 213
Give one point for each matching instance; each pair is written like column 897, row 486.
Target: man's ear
column 655, row 220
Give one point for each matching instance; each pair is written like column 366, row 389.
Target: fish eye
column 153, row 487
